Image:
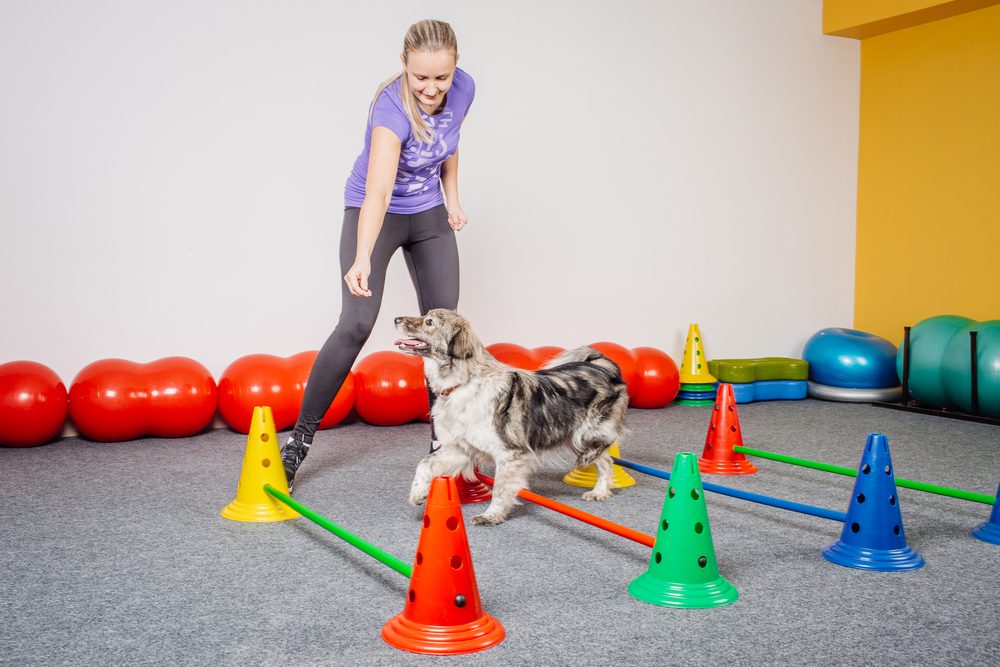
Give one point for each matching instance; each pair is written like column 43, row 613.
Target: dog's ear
column 463, row 343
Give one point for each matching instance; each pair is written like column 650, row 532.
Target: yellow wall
column 928, row 235
column 861, row 19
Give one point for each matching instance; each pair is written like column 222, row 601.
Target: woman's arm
column 449, row 180
column 383, row 163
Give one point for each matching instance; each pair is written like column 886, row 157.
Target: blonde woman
column 402, row 193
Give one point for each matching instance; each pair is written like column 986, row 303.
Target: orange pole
column 579, row 515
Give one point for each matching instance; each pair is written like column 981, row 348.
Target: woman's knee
column 355, row 331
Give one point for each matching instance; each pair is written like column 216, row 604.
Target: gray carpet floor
column 115, row 554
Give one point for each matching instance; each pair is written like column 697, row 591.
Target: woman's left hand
column 457, row 218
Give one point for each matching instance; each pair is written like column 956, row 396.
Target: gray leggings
column 431, row 254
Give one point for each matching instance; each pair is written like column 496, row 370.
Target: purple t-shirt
column 418, row 179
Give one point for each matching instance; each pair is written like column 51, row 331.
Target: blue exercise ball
column 928, row 340
column 850, row 358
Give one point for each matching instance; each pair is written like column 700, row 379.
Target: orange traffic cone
column 718, row 457
column 443, row 614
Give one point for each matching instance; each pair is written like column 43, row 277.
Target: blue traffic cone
column 873, row 537
column 990, row 531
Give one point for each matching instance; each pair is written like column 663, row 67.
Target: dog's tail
column 584, row 355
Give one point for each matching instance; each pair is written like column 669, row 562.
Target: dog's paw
column 487, row 519
column 596, row 495
column 417, row 496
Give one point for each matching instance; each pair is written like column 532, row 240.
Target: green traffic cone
column 683, row 571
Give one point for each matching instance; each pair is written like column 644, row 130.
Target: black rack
column 908, row 406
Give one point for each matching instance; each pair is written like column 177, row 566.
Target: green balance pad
column 741, row 371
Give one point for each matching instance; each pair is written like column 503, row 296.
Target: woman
column 401, row 193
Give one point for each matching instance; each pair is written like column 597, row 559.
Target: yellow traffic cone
column 261, row 465
column 694, row 366
column 587, row 477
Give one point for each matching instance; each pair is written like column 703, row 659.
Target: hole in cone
column 888, row 470
column 702, row 562
column 671, row 492
column 694, row 494
column 895, row 530
column 456, row 562
column 412, row 595
column 451, row 523
column 732, row 427
column 892, row 500
column 855, row 527
column 460, row 600
column 264, row 437
column 665, row 524
column 427, row 521
column 266, row 463
column 698, row 528
column 861, row 497
column 657, row 557
column 420, row 558
column 866, row 469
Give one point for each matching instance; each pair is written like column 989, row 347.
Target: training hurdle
column 849, row 472
column 352, row 539
column 579, row 515
column 743, row 495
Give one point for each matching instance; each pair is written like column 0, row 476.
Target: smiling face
column 440, row 334
column 429, row 74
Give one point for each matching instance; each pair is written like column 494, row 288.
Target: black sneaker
column 292, row 455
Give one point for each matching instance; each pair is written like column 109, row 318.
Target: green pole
column 353, row 540
column 850, row 472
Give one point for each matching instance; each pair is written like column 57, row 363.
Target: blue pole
column 743, row 495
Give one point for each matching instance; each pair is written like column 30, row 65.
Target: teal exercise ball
column 956, row 376
column 928, row 340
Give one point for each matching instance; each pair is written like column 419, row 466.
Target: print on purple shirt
column 418, row 178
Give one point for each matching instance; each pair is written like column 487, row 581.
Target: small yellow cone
column 261, row 465
column 694, row 366
column 587, row 477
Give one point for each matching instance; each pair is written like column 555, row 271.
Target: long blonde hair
column 426, row 35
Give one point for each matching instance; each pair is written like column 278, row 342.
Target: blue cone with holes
column 990, row 531
column 682, row 570
column 873, row 537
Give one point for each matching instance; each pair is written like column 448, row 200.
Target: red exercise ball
column 279, row 383
column 547, row 353
column 33, row 404
column 514, row 355
column 257, row 379
column 657, row 378
column 114, row 399
column 623, row 357
column 391, row 389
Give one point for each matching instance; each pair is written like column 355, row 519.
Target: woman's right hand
column 357, row 277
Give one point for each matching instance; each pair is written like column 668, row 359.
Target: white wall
column 171, row 173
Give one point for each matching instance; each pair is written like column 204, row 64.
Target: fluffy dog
column 486, row 410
